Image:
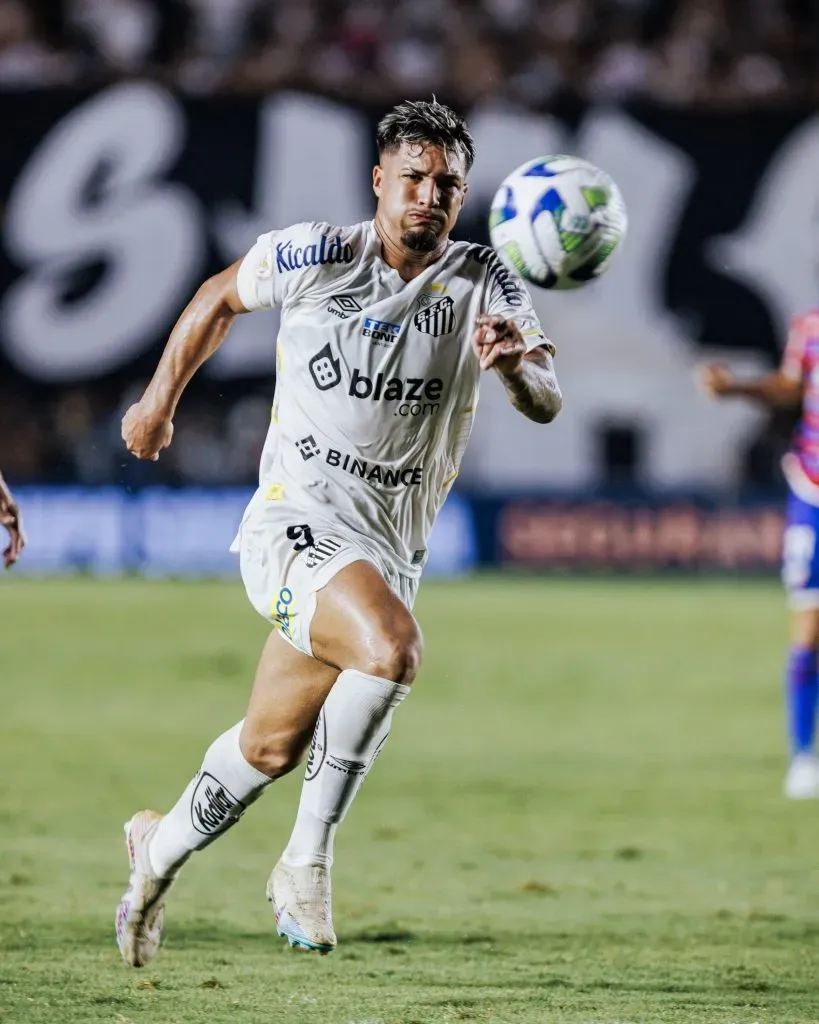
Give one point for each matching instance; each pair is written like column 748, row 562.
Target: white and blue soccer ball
column 558, row 221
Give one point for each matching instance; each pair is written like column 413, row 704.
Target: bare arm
column 533, row 387
column 10, row 518
column 197, row 334
column 774, row 389
column 147, row 427
column 528, row 377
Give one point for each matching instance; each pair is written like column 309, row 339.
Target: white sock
column 214, row 800
column 350, row 731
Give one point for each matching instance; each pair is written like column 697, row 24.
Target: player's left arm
column 527, row 373
column 509, row 339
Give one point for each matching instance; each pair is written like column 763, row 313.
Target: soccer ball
column 557, row 221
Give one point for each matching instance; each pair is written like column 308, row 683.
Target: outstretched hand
column 11, row 519
column 498, row 343
column 715, row 379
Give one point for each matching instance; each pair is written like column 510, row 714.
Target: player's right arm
column 782, row 388
column 147, row 426
column 276, row 267
column 776, row 389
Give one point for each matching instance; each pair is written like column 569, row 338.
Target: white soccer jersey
column 377, row 383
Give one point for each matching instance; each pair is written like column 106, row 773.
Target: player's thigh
column 800, row 564
column 361, row 622
column 285, row 561
column 289, row 690
column 324, row 595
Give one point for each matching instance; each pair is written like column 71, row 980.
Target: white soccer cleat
column 141, row 911
column 802, row 780
column 301, row 902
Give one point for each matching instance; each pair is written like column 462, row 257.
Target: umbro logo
column 343, row 306
column 346, row 766
column 437, row 319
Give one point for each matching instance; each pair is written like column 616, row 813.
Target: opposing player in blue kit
column 796, row 385
column 385, row 329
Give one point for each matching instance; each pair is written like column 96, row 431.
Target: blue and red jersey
column 801, row 362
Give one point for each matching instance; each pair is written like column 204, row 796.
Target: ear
column 378, row 176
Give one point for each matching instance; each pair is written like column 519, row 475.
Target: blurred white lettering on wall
column 91, row 204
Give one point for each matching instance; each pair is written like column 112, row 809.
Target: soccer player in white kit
column 385, row 329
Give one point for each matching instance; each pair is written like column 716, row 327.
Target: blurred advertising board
column 163, row 532
column 650, row 537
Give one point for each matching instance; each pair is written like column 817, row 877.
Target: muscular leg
column 288, row 691
column 365, row 640
column 360, row 623
column 363, row 629
column 367, row 648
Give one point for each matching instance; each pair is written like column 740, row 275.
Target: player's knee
column 395, row 655
column 267, row 753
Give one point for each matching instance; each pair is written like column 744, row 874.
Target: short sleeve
column 256, row 281
column 281, row 262
column 507, row 296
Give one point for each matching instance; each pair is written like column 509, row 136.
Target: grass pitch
column 577, row 818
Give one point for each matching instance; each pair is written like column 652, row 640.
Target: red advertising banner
column 600, row 535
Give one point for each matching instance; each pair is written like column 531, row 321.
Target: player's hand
column 146, row 432
column 498, row 343
column 715, row 379
column 11, row 519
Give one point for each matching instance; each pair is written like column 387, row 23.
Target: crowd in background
column 74, row 437
column 710, row 53
column 715, row 53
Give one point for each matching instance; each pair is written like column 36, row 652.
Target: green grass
column 577, row 819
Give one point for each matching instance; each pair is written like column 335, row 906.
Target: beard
column 421, row 239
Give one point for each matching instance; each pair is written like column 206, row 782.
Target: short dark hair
column 425, row 121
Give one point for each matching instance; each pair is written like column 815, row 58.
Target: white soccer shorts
column 285, row 561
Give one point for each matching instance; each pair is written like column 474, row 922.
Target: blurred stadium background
column 148, row 143
column 617, row 799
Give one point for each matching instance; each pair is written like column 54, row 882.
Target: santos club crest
column 437, row 319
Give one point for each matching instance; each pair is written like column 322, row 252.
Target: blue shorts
column 800, row 553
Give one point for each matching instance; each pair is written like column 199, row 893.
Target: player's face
column 420, row 189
